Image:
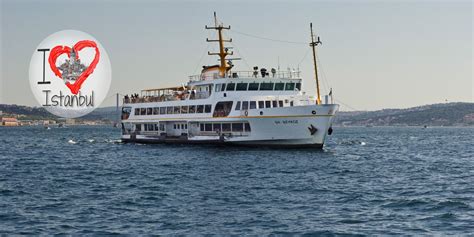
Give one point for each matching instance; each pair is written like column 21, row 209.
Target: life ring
column 313, row 112
column 246, row 113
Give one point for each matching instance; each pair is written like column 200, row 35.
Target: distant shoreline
column 455, row 114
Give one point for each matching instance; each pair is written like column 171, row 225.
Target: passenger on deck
column 263, row 71
column 255, row 71
column 273, row 72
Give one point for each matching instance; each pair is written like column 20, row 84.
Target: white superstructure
column 230, row 107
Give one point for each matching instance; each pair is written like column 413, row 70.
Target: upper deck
column 247, row 75
column 200, row 87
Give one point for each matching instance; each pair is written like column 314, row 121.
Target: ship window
column 275, row 104
column 290, row 86
column 223, row 87
column 162, row 127
column 218, row 87
column 169, row 110
column 242, row 86
column 200, row 109
column 245, row 105
column 268, row 104
column 192, row 109
column 279, row 86
column 237, row 127
column 201, row 126
column 126, row 112
column 138, row 127
column 222, row 108
column 174, row 126
column 177, row 109
column 149, row 111
column 230, row 86
column 137, row 111
column 266, row 86
column 216, row 127
column 253, row 105
column 247, row 127
column 237, row 106
column 261, row 104
column 298, row 86
column 253, row 86
column 156, row 110
column 226, row 127
column 208, row 127
column 280, row 103
column 184, row 109
column 186, row 126
column 162, row 110
column 156, row 127
column 207, row 108
column 291, row 103
column 142, row 111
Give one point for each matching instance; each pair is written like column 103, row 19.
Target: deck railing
column 248, row 74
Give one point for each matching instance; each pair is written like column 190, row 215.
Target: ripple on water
column 367, row 181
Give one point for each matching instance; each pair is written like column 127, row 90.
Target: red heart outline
column 60, row 50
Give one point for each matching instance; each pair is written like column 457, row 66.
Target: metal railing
column 248, row 74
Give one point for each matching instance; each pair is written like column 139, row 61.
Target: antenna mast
column 313, row 45
column 223, row 52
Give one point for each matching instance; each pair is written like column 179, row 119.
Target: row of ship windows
column 244, row 105
column 255, row 86
column 224, row 127
column 191, row 109
column 150, row 127
column 159, row 127
column 204, row 127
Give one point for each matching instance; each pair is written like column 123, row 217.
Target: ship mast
column 223, row 52
column 313, row 45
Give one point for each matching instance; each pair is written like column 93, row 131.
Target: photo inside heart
column 86, row 51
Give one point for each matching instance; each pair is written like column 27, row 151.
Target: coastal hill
column 447, row 114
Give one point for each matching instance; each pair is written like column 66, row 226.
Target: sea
column 81, row 180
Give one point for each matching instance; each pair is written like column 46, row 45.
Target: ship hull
column 302, row 126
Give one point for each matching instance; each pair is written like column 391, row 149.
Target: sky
column 375, row 54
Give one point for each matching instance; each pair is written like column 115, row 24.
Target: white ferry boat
column 224, row 106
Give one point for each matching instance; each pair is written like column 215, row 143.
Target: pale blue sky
column 375, row 54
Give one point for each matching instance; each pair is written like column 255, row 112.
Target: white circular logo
column 70, row 73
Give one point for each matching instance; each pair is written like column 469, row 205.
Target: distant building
column 70, row 121
column 9, row 121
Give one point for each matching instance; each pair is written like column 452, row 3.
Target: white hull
column 288, row 126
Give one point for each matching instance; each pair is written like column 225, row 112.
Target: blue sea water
column 368, row 181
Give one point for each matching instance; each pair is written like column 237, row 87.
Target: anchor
column 312, row 129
